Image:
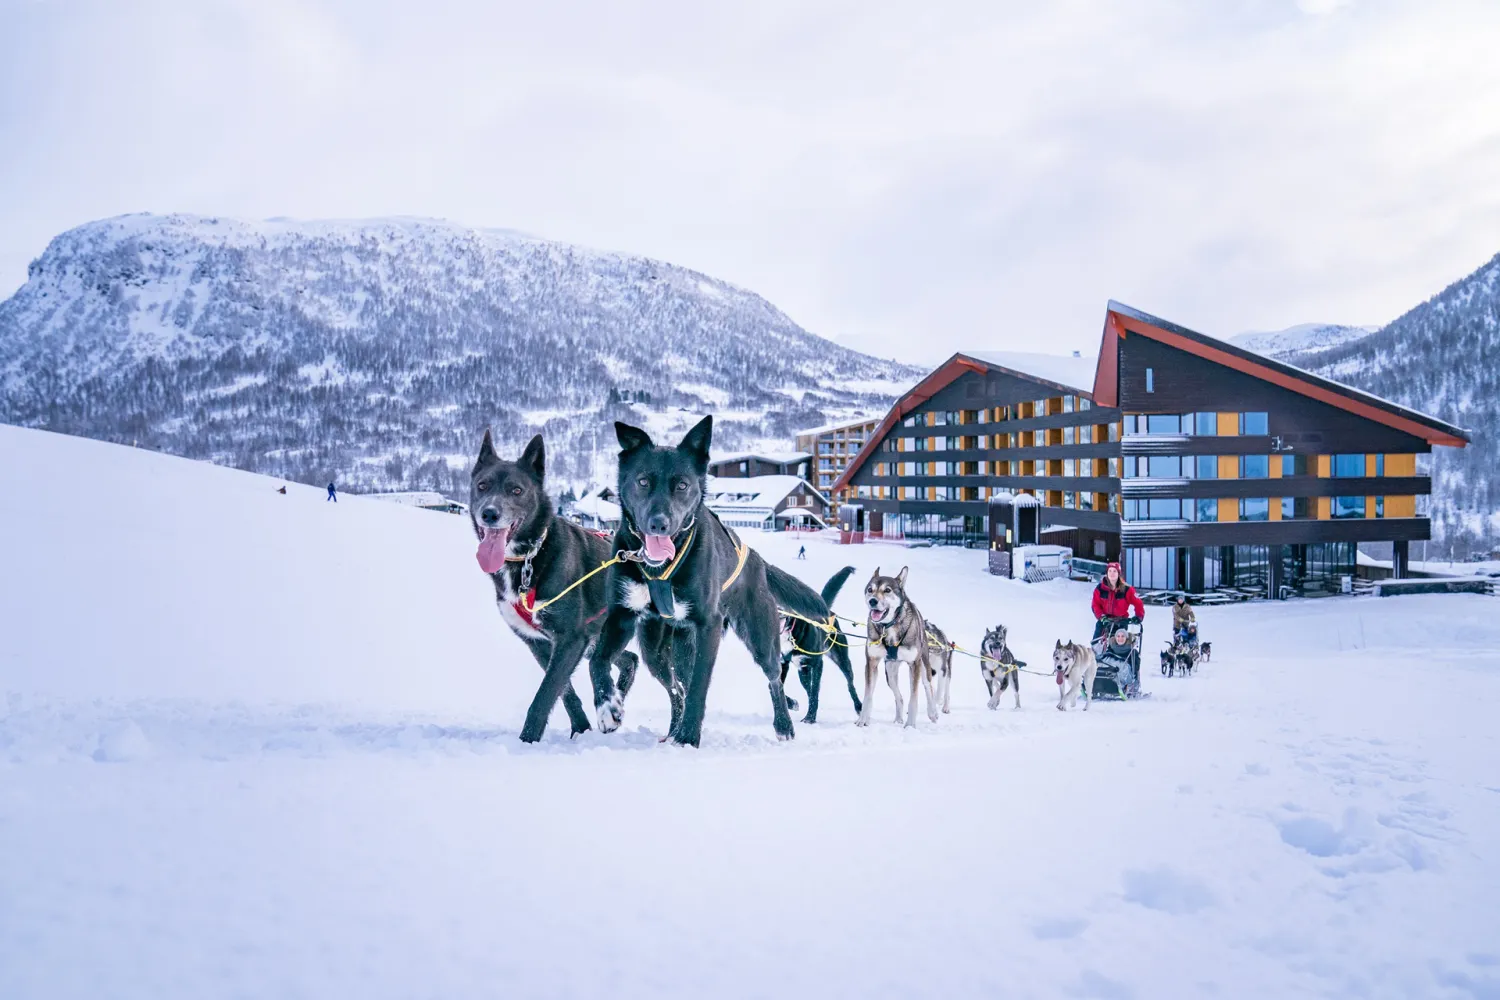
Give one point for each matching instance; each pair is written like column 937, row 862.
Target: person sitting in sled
column 1114, row 598
column 1184, row 622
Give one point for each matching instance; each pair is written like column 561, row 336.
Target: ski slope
column 262, row 745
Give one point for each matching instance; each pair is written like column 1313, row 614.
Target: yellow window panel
column 1325, row 466
column 1229, row 509
column 1229, row 424
column 1323, row 508
column 1229, row 467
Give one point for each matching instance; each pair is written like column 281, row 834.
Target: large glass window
column 1254, row 423
column 1207, row 509
column 1070, row 467
column 1380, row 465
column 1164, row 423
column 1255, row 466
column 1206, row 424
column 1164, row 467
column 1164, row 510
column 1347, row 466
column 1207, row 466
column 1295, row 508
column 1255, row 509
column 1348, row 506
column 1294, row 465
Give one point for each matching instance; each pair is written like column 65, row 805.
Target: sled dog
column 532, row 556
column 686, row 577
column 1074, row 667
column 999, row 666
column 804, row 644
column 897, row 634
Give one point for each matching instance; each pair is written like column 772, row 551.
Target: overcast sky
column 907, row 178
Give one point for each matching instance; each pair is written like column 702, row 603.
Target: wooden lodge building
column 1194, row 462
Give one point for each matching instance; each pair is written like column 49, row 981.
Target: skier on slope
column 802, row 552
column 332, row 494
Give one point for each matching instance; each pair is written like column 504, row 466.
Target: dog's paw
column 611, row 714
column 808, row 720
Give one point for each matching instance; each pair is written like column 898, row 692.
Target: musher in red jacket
column 1114, row 598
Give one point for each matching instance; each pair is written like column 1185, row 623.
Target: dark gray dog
column 532, row 556
column 1000, row 666
column 687, row 578
column 804, row 643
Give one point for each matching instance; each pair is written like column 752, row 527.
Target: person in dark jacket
column 1114, row 598
column 332, row 494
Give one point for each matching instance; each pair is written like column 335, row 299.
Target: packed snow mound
column 380, row 349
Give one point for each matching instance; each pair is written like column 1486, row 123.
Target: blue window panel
column 1348, row 506
column 1164, row 510
column 1254, row 423
column 1150, row 380
column 1255, row 509
column 1380, row 466
column 1208, row 466
column 1208, row 509
column 1164, row 423
column 1206, row 424
column 1164, row 467
column 1347, row 466
column 1255, row 466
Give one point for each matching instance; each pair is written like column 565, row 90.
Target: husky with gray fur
column 897, row 634
column 1074, row 666
column 687, row 578
column 999, row 666
column 531, row 555
column 940, row 660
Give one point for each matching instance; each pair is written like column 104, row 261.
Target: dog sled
column 1117, row 652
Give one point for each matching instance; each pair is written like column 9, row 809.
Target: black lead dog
column 532, row 556
column 807, row 644
column 686, row 575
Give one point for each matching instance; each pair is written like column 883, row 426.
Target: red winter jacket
column 1117, row 603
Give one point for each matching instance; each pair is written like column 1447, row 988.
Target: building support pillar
column 1275, row 575
column 1400, row 559
column 1195, row 570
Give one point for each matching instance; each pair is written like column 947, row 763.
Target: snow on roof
column 780, row 458
column 840, row 426
column 1076, row 373
column 761, row 492
column 603, row 510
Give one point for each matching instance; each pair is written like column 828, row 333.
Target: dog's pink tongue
column 491, row 554
column 659, row 548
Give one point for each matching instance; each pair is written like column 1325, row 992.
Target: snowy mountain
column 374, row 352
column 1307, row 338
column 1443, row 358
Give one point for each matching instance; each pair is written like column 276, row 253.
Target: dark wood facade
column 1209, row 466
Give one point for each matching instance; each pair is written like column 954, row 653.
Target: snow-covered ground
column 262, row 745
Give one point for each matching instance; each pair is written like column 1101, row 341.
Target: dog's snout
column 874, row 603
column 657, row 524
column 489, row 515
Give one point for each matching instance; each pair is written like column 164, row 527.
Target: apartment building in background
column 1196, row 463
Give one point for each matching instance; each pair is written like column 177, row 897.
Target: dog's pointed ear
column 695, row 443
column 486, row 449
column 631, row 438
column 901, row 576
column 1059, row 644
column 874, row 576
column 535, row 457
